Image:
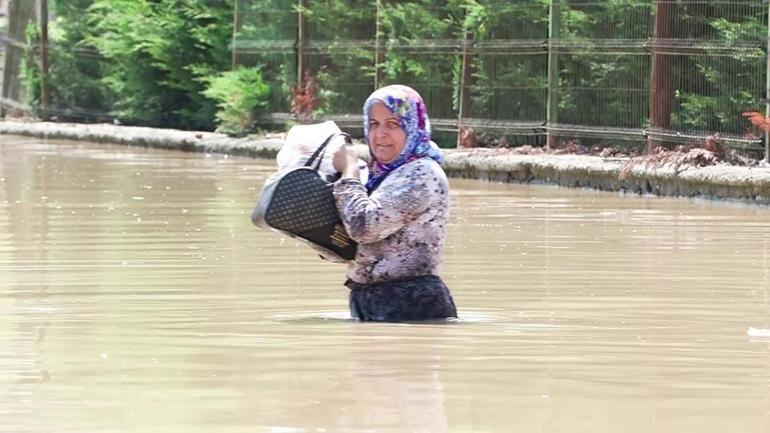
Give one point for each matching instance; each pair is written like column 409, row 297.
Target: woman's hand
column 346, row 161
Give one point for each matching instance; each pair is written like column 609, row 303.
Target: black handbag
column 299, row 203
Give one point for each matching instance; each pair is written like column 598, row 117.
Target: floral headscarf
column 410, row 109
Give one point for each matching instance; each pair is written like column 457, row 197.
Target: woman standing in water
column 399, row 217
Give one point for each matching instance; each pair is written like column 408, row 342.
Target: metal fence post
column 301, row 37
column 44, row 94
column 379, row 53
column 661, row 84
column 237, row 22
column 552, row 102
column 20, row 13
column 465, row 79
column 767, row 87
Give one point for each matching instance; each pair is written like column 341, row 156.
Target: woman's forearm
column 351, row 172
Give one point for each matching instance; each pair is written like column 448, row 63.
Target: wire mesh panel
column 265, row 34
column 14, row 41
column 508, row 81
column 79, row 96
column 421, row 51
column 604, row 92
column 717, row 56
column 75, row 92
column 603, row 71
column 498, row 72
column 610, row 72
column 340, row 53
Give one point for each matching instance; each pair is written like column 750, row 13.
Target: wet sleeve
column 401, row 198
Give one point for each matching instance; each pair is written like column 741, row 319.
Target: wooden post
column 301, row 37
column 661, row 83
column 44, row 95
column 552, row 102
column 379, row 50
column 464, row 109
column 237, row 23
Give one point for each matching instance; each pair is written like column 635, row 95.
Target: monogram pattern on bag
column 302, row 201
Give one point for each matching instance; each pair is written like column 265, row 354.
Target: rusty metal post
column 465, row 81
column 379, row 51
column 661, row 83
column 767, row 88
column 237, row 23
column 552, row 101
column 301, row 39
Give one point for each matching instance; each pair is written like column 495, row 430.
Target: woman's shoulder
column 419, row 174
column 425, row 166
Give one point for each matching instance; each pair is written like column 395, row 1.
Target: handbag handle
column 319, row 153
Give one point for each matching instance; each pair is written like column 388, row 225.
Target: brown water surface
column 136, row 296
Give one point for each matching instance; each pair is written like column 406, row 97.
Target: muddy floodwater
column 136, row 296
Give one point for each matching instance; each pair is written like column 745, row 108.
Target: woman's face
column 386, row 137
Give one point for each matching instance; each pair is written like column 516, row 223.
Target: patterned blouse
column 400, row 228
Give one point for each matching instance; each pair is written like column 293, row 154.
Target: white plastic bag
column 302, row 140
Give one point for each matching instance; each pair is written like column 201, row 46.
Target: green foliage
column 476, row 18
column 159, row 54
column 30, row 70
column 75, row 90
column 241, row 95
column 712, row 91
column 409, row 29
column 160, row 62
column 345, row 73
column 610, row 19
column 603, row 88
column 508, row 84
column 266, row 22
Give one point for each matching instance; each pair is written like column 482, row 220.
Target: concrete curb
column 190, row 141
column 745, row 184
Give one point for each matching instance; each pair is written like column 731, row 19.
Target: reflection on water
column 136, row 296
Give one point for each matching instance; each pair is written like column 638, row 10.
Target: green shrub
column 157, row 55
column 75, row 92
column 241, row 95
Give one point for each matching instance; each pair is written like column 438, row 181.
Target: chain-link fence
column 14, row 49
column 585, row 73
column 580, row 74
